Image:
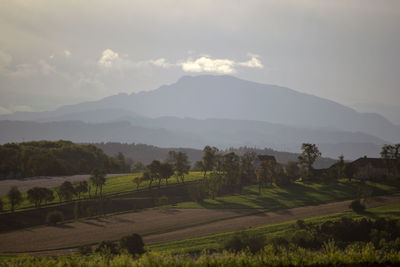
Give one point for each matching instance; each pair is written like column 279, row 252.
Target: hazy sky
column 62, row 52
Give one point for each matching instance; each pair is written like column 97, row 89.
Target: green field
column 214, row 242
column 113, row 186
column 293, row 195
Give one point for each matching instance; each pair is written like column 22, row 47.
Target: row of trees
column 65, row 192
column 48, row 158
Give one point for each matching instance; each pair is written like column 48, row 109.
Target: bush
column 133, row 244
column 107, row 248
column 357, row 206
column 243, row 240
column 85, row 250
column 54, row 217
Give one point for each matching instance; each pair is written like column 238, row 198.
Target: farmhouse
column 367, row 168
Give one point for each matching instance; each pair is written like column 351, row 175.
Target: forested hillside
column 47, row 158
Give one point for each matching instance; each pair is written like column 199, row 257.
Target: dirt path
column 159, row 226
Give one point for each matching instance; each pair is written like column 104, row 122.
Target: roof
column 379, row 163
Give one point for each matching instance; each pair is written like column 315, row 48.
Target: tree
column 247, row 170
column 133, row 244
column 308, row 157
column 391, row 155
column 165, row 172
column 137, row 181
column 37, row 195
column 231, row 168
column 81, row 188
column 154, row 171
column 15, row 197
column 65, row 191
column 292, row 170
column 180, row 163
column 340, row 167
column 214, row 183
column 262, row 174
column 98, row 179
column 209, row 159
column 1, row 205
column 138, row 167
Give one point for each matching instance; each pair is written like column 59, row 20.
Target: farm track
column 158, row 226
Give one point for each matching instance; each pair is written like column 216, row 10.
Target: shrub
column 162, row 201
column 133, row 244
column 107, row 247
column 243, row 240
column 85, row 250
column 357, row 206
column 54, row 217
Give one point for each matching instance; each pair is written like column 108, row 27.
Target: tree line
column 53, row 158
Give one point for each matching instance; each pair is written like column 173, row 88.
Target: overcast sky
column 61, row 52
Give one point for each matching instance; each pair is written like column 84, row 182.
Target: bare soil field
column 43, row 181
column 158, row 226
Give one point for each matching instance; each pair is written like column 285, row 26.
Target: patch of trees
column 132, row 244
column 384, row 233
column 48, row 158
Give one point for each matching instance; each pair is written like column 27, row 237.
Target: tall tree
column 81, row 188
column 37, row 195
column 231, row 168
column 209, row 159
column 247, row 167
column 98, row 179
column 180, row 163
column 166, row 171
column 154, row 171
column 292, row 170
column 15, row 197
column 309, row 155
column 65, row 191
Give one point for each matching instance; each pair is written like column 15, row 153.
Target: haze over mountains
column 217, row 110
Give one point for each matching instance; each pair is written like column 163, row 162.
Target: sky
column 54, row 53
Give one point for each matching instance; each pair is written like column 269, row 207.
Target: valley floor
column 158, row 225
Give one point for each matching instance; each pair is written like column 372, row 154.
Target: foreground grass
column 115, row 185
column 213, row 242
column 269, row 256
column 294, row 195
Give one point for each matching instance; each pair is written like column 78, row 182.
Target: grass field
column 214, row 242
column 114, row 185
column 293, row 195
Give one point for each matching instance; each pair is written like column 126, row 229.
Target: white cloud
column 253, row 62
column 108, row 58
column 111, row 60
column 221, row 66
column 5, row 60
column 207, row 64
column 67, row 53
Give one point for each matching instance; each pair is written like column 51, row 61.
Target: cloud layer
column 110, row 59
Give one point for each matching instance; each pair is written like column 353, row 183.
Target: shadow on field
column 63, row 226
column 93, row 223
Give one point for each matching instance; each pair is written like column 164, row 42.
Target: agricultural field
column 159, row 225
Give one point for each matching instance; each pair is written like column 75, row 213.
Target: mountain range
column 217, row 110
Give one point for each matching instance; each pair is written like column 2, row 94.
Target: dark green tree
column 292, row 170
column 81, row 188
column 133, row 244
column 15, row 197
column 98, row 179
column 180, row 163
column 209, row 159
column 166, row 171
column 154, row 171
column 37, row 195
column 65, row 191
column 309, row 155
column 248, row 174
